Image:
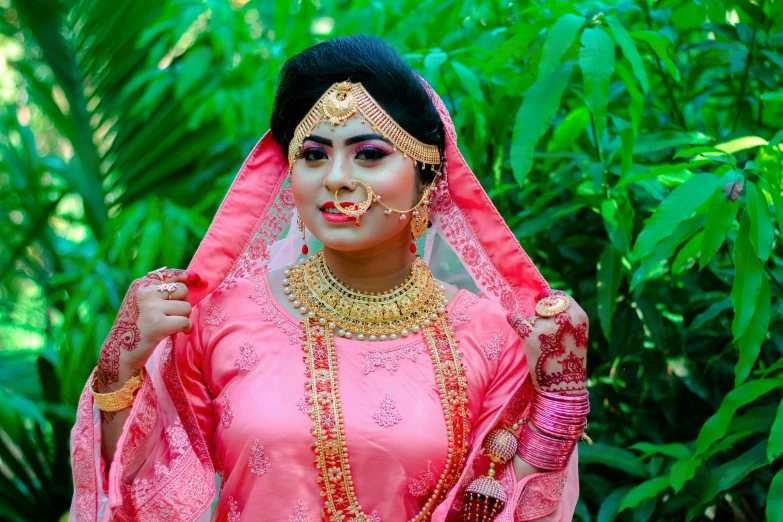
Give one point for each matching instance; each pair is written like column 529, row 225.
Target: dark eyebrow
column 319, row 139
column 349, row 141
column 365, row 137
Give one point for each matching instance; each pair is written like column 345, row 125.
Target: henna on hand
column 556, row 348
column 124, row 335
column 568, row 373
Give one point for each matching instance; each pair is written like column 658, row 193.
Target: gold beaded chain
column 322, row 387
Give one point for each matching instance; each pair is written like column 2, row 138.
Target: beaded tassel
column 485, row 497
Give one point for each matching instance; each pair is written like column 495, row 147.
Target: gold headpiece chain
column 344, row 99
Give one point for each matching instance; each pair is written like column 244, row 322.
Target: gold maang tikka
column 343, row 100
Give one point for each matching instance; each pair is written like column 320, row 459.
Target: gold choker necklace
column 318, row 294
column 418, row 306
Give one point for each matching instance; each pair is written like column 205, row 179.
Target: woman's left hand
column 556, row 347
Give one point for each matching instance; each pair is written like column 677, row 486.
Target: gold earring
column 419, row 223
column 301, row 226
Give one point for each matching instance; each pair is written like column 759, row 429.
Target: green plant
column 633, row 147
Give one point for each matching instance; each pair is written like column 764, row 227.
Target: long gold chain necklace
column 316, row 295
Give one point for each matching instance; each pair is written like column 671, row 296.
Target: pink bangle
column 560, row 420
column 544, row 452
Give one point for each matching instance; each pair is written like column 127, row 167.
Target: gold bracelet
column 120, row 399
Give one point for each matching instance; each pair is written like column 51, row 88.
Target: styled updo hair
column 357, row 58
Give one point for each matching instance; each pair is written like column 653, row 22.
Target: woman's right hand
column 148, row 314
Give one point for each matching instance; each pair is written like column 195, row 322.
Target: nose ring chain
column 357, row 210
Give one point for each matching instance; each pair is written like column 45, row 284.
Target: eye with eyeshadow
column 312, row 154
column 371, row 153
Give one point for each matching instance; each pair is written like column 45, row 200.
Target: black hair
column 358, row 58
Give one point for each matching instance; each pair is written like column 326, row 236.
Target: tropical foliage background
column 633, row 147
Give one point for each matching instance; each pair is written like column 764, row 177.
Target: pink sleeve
column 165, row 438
column 549, row 497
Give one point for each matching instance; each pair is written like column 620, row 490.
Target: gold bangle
column 120, row 399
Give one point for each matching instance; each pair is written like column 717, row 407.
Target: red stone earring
column 305, row 250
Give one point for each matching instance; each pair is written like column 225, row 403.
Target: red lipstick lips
column 333, row 217
column 330, row 204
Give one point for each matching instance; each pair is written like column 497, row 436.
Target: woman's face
column 328, row 161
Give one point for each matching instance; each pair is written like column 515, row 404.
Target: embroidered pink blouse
column 243, row 372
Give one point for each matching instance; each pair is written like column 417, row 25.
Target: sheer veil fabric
column 468, row 245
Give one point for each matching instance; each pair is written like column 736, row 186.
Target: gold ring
column 552, row 305
column 159, row 273
column 167, row 287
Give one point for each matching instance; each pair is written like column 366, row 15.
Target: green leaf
column 687, row 255
column 675, row 449
column 469, row 80
column 747, row 278
column 678, row 206
column 193, row 68
column 740, row 144
column 645, row 510
column 618, row 220
column 750, row 342
column 721, row 215
column 773, row 57
column 543, row 220
column 630, row 51
column 636, row 107
column 282, row 16
column 699, row 150
column 150, row 244
column 655, row 264
column 774, row 509
column 775, row 445
column 433, row 61
column 560, row 38
column 596, row 59
column 715, row 427
column 569, row 130
column 534, row 117
column 772, row 96
column 663, row 140
column 647, row 489
column 659, row 45
column 728, row 475
column 772, row 168
column 611, row 504
column 777, row 198
column 714, row 310
column 613, row 457
column 610, row 275
column 681, row 472
column 761, row 233
column 581, row 511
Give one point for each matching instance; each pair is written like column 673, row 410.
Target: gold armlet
column 120, row 399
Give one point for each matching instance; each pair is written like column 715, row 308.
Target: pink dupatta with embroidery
column 164, row 469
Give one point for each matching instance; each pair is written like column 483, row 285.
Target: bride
column 359, row 336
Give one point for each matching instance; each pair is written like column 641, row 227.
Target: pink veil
column 469, row 245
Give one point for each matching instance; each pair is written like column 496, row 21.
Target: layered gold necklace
column 416, row 306
column 403, row 311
